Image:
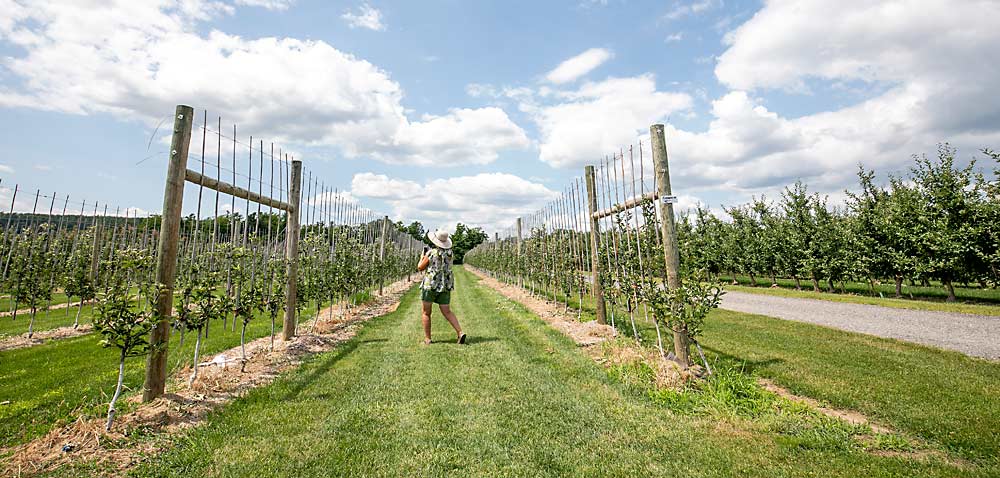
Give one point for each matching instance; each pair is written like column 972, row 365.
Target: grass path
column 519, row 400
column 854, row 298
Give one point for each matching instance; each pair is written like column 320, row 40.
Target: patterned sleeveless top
column 438, row 276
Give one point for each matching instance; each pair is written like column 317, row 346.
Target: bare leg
column 427, row 321
column 448, row 314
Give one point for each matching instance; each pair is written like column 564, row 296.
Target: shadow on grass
column 473, row 340
column 748, row 366
column 302, row 380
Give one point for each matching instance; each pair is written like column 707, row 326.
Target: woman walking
column 438, row 283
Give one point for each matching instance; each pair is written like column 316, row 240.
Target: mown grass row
column 933, row 293
column 908, row 304
column 941, row 396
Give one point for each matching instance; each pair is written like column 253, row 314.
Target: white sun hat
column 440, row 238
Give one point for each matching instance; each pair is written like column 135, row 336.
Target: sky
column 479, row 112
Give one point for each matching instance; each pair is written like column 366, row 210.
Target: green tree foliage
column 465, row 239
column 124, row 327
column 416, row 230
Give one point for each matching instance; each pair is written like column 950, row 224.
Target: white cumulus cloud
column 138, row 60
column 490, row 200
column 921, row 71
column 579, row 65
column 366, row 16
column 601, row 117
column 268, row 4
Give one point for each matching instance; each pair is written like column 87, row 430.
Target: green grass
column 941, row 396
column 519, row 400
column 6, row 303
column 935, row 292
column 54, row 319
column 963, row 308
column 57, row 381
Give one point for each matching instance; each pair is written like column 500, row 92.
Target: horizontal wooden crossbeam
column 226, row 188
column 629, row 204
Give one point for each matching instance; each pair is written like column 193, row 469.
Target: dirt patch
column 219, row 382
column 918, row 449
column 666, row 373
column 40, row 337
column 849, row 416
column 585, row 334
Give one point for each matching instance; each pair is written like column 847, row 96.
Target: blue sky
column 448, row 111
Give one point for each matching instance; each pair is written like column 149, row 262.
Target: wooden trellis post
column 381, row 253
column 292, row 250
column 671, row 252
column 520, row 278
column 166, row 257
column 409, row 254
column 595, row 231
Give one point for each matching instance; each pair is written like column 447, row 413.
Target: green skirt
column 443, row 297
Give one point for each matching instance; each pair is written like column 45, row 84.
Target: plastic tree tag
column 669, row 199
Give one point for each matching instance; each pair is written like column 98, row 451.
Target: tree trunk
column 272, row 331
column 899, row 287
column 31, row 323
column 829, row 284
column 815, row 282
column 243, row 348
column 76, row 323
column 118, row 391
column 753, row 280
column 924, row 282
column 316, row 319
column 681, row 346
column 774, row 280
column 194, row 366
column 798, row 284
column 843, row 287
column 871, row 285
column 950, row 288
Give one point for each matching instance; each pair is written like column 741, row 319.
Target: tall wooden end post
column 166, row 257
column 671, row 254
column 595, row 231
column 292, row 251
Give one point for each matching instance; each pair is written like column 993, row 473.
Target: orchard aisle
column 519, row 400
column 975, row 335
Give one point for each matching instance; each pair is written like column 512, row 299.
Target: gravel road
column 975, row 335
